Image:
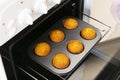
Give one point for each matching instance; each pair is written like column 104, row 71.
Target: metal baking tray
column 61, row 47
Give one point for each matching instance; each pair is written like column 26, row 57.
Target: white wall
column 101, row 10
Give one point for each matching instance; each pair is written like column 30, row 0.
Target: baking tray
column 61, row 46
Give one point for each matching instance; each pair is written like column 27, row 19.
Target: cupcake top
column 75, row 47
column 57, row 35
column 88, row 33
column 61, row 61
column 70, row 23
column 42, row 49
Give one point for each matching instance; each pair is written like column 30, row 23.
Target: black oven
column 19, row 66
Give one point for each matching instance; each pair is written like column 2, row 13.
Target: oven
column 100, row 64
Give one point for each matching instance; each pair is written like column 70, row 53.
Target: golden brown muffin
column 57, row 36
column 88, row 33
column 75, row 46
column 70, row 23
column 42, row 49
column 61, row 61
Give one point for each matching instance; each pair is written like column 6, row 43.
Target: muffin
column 42, row 49
column 70, row 23
column 75, row 47
column 57, row 36
column 61, row 61
column 88, row 33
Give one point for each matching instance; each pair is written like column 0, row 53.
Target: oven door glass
column 103, row 63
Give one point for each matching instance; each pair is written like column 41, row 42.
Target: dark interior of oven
column 17, row 46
